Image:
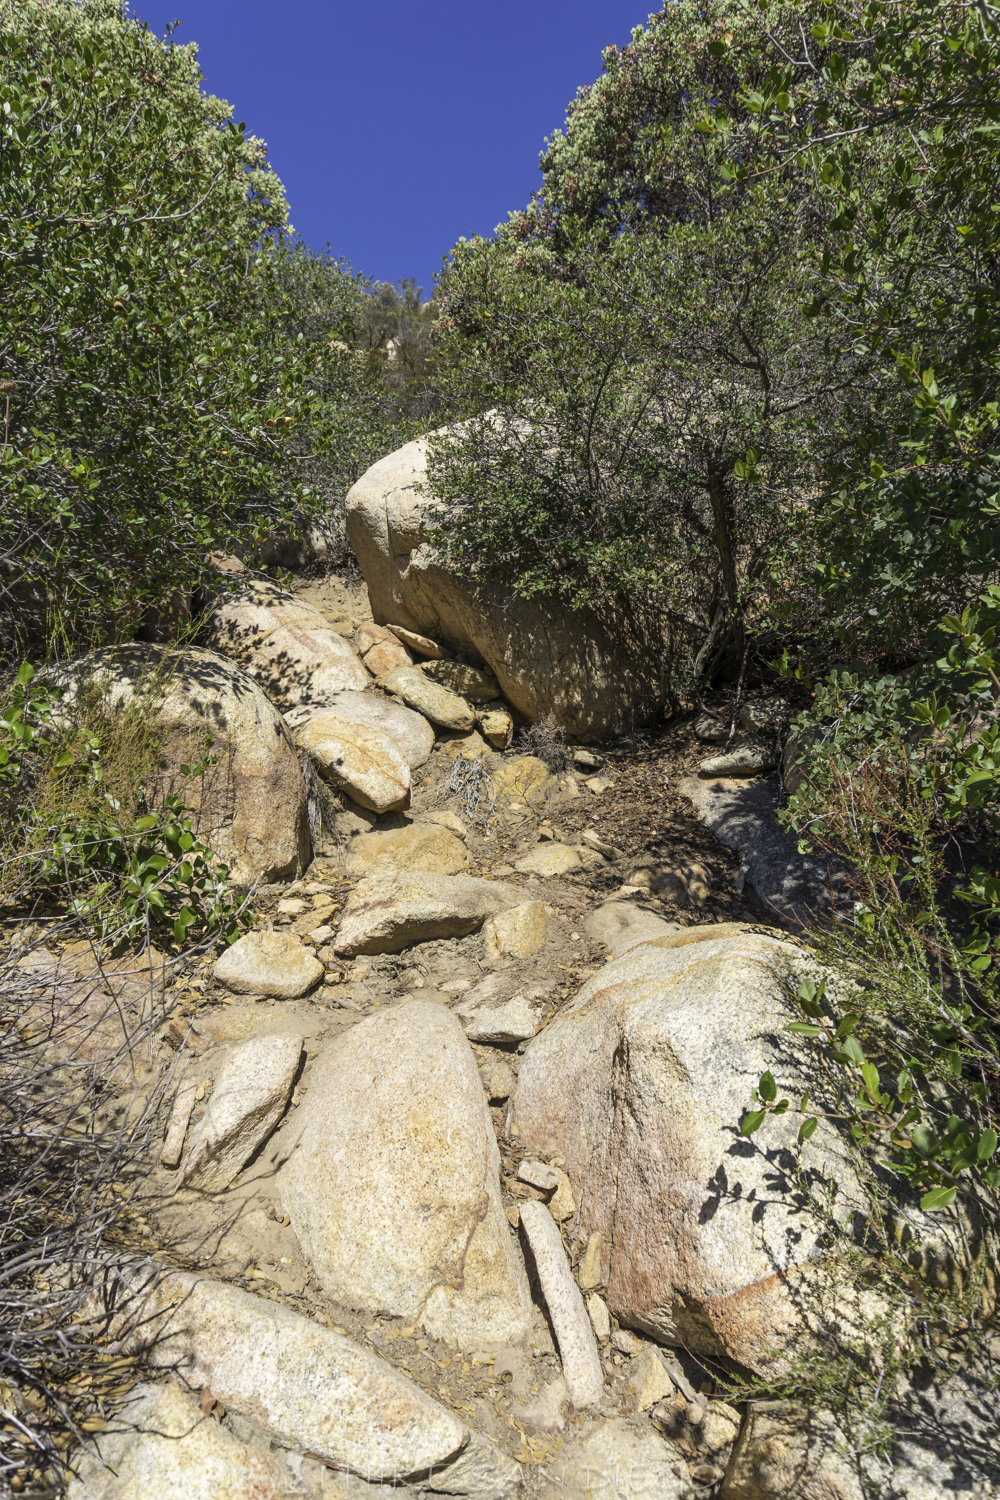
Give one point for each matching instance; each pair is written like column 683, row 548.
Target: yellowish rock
column 549, row 860
column 421, row 644
column 477, row 687
column 562, row 1204
column 415, row 848
column 648, row 1379
column 385, row 656
column 526, row 777
column 358, row 760
column 599, row 1316
column 432, row 699
column 497, row 727
column 448, row 819
column 519, row 932
column 471, row 747
column 589, row 1270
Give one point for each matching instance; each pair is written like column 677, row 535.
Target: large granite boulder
column 393, row 1186
column 249, row 801
column 599, row 673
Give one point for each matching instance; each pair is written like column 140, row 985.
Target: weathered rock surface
column 358, row 760
column 269, row 963
column 386, row 656
column 790, row 1453
column 622, row 925
column 639, row 1087
column 385, row 915
column 421, row 645
column 577, row 1346
column 501, row 1025
column 432, row 699
column 409, row 731
column 519, row 932
column 496, row 726
column 548, row 860
column 750, row 755
column 613, row 1461
column 393, row 1186
column 312, row 1388
column 526, row 777
column 249, row 1098
column 418, row 847
column 467, row 682
column 250, row 803
column 162, row 1447
column 286, row 645
column 598, row 672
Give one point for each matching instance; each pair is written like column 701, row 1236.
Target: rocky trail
column 447, row 1194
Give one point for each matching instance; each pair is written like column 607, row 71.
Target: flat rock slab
column 161, row 1446
column 249, row 1098
column 501, row 1025
column 420, row 847
column 312, row 1388
column 615, row 1462
column 432, row 699
column 386, row 914
column 393, row 1183
column 269, row 963
column 357, row 759
column 477, row 687
column 549, row 860
column 520, row 932
column 621, row 925
column 409, row 731
column 742, row 815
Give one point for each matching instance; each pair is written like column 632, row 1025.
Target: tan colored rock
column 593, row 840
column 750, row 755
column 409, row 732
column 498, row 1079
column 466, row 681
column 415, row 848
column 386, row 656
column 250, row 802
column 314, row 1389
column 519, row 932
column 180, row 1116
column 500, row 1025
column 614, row 1460
column 548, row 860
column 648, row 1380
column 163, row 1447
column 386, row 914
column 574, row 1334
column 421, row 645
column 269, row 963
column 450, row 820
column 600, row 1318
column 790, row 1453
column 526, row 778
column 435, row 702
column 645, row 1144
column 393, row 1186
column 497, row 727
column 368, row 634
column 286, row 645
column 720, row 1427
column 600, row 671
column 469, row 747
column 588, row 1272
column 357, row 760
column 249, row 1098
column 589, row 858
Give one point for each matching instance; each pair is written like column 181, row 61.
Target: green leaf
column 752, row 1121
column 804, row 1028
column 986, row 1146
column 924, row 1140
column 807, row 1128
column 939, row 1197
column 767, row 1088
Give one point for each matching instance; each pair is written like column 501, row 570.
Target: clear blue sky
column 398, row 127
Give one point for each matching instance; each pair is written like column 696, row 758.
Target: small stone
column 497, row 727
column 539, row 1175
column 589, row 858
column 386, row 914
column 357, row 759
column 648, row 1379
column 180, row 1115
column 292, row 907
column 526, row 777
column 752, row 755
column 720, row 1427
column 421, row 644
column 586, row 759
column 562, row 1204
column 625, row 1342
column 248, row 1100
column 519, row 932
column 469, row 747
column 368, row 634
column 269, row 963
column 455, row 986
column 708, row 727
column 498, row 1080
column 450, row 820
column 588, row 1272
column 502, row 1025
column 593, row 840
column 599, row 1316
column 577, row 1346
column 549, row 860
column 467, row 682
column 598, row 784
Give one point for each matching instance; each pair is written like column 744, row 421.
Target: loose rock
column 393, row 1186
column 519, row 932
column 501, row 1025
column 647, row 1378
column 795, row 1453
column 525, row 777
column 548, row 860
column 385, row 915
column 408, row 731
column 577, row 1347
column 415, row 848
column 249, row 1098
column 421, row 644
column 357, row 760
column 269, row 963
column 622, row 925
column 752, row 755
column 496, row 726
column 477, row 687
column 386, row 656
column 435, row 702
